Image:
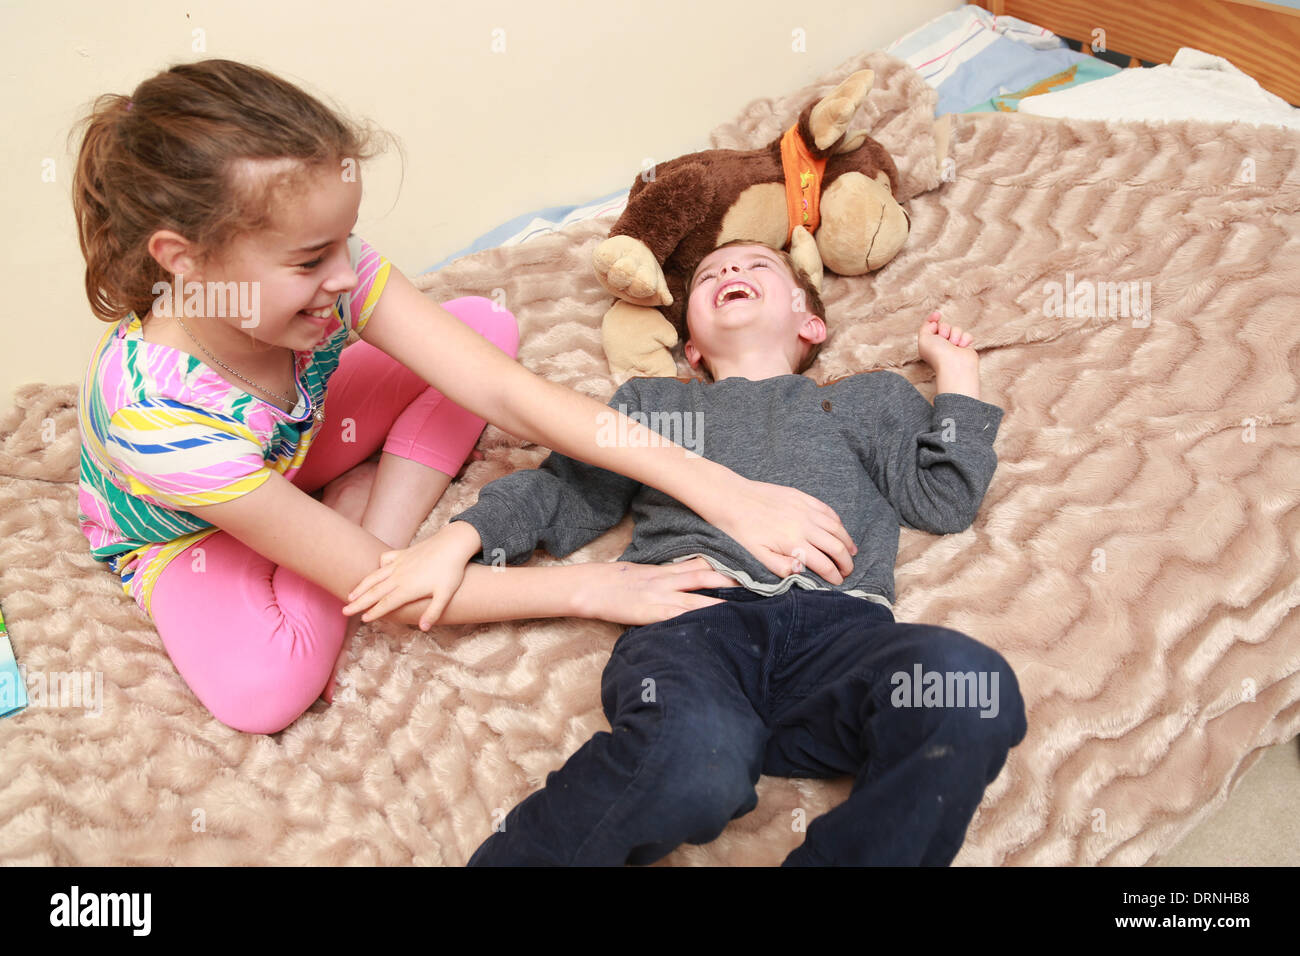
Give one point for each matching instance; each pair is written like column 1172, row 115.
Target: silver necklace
column 318, row 415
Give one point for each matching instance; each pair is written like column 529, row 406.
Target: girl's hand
column 785, row 529
column 433, row 568
column 636, row 594
column 944, row 347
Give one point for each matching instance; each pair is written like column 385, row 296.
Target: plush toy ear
column 830, row 117
column 853, row 141
column 806, row 258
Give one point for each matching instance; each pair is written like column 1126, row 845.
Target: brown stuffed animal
column 813, row 179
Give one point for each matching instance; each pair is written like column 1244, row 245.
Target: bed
column 1134, row 559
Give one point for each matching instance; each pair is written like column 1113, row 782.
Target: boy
column 792, row 677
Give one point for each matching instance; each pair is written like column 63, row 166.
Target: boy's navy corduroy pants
column 803, row 684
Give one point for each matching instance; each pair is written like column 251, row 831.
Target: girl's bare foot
column 349, row 493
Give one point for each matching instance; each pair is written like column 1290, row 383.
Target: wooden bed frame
column 1263, row 39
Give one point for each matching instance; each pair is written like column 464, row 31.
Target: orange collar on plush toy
column 803, row 182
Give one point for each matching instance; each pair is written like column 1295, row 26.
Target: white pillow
column 1195, row 85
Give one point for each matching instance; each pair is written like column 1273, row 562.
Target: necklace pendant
column 320, row 415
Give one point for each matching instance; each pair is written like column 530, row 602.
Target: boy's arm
column 932, row 463
column 559, row 506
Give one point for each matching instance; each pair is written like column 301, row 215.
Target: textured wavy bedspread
column 1134, row 560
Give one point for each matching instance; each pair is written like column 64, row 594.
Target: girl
column 215, row 208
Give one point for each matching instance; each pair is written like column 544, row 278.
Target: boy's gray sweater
column 870, row 446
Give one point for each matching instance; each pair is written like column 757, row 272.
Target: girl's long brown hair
column 165, row 158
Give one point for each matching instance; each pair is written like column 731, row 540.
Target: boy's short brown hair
column 812, row 299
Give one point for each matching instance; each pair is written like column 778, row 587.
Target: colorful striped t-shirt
column 161, row 432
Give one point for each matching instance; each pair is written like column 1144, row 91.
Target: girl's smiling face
column 297, row 267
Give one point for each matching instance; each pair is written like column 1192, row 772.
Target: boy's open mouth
column 733, row 291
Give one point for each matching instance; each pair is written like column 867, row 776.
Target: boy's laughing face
column 744, row 302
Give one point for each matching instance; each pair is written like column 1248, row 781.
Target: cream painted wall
column 582, row 93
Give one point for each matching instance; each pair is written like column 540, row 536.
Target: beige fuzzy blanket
column 1134, row 559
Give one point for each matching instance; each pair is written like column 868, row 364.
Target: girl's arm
column 618, row 591
column 287, row 526
column 782, row 527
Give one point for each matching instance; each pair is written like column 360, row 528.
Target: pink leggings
column 257, row 642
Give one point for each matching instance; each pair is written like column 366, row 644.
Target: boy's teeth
column 733, row 287
column 321, row 313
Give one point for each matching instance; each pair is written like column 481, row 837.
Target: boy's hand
column 947, row 349
column 433, row 568
column 944, row 346
column 636, row 594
